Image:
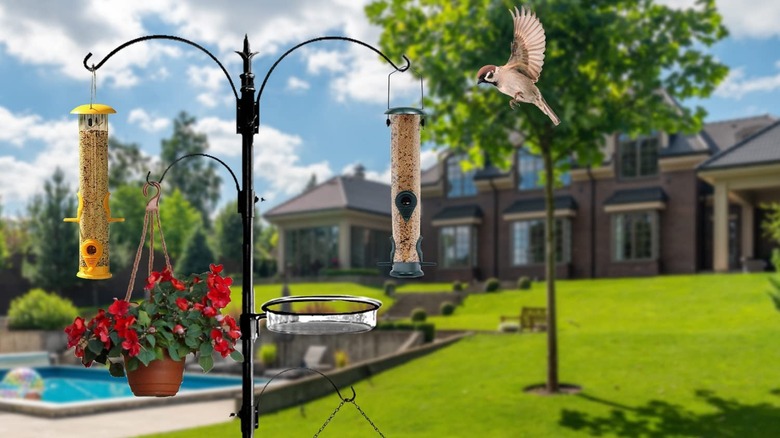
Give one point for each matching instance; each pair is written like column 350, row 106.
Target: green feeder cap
column 405, row 110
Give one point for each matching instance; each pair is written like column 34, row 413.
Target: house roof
column 681, row 144
column 631, row 196
column 340, row 192
column 458, row 212
column 726, row 133
column 763, row 147
column 562, row 202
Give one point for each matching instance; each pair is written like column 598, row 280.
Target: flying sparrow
column 516, row 78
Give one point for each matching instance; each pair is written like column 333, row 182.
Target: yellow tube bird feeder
column 93, row 214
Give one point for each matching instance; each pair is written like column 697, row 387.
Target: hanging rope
column 151, row 218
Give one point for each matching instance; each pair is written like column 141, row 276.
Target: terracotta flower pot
column 161, row 378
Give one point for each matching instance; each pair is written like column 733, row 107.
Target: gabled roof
column 763, row 147
column 681, row 144
column 631, row 196
column 726, row 133
column 339, row 192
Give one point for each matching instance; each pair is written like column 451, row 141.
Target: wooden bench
column 531, row 318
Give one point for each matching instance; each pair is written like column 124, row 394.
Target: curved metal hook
column 344, row 399
column 329, row 38
column 235, row 180
column 161, row 37
column 154, row 202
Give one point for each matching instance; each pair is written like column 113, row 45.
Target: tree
column 229, row 233
column 197, row 255
column 196, row 178
column 128, row 202
column 311, row 184
column 179, row 220
column 605, row 66
column 54, row 243
column 126, row 164
column 3, row 247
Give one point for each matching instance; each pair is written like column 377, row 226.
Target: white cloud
column 146, row 122
column 318, row 61
column 297, row 84
column 757, row 19
column 736, row 84
column 277, row 159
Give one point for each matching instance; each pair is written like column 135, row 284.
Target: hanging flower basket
column 179, row 317
column 161, row 378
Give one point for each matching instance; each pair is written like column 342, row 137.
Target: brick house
column 658, row 204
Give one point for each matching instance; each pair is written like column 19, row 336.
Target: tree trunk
column 549, row 233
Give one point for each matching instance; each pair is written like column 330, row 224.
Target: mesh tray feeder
column 320, row 314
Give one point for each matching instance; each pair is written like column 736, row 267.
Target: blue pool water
column 68, row 384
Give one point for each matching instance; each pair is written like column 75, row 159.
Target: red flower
column 119, row 307
column 152, row 279
column 215, row 269
column 100, row 325
column 219, row 288
column 75, row 331
column 178, row 285
column 131, row 343
column 198, row 306
column 182, row 303
column 232, row 328
column 178, row 329
column 123, row 325
column 221, row 345
column 209, row 312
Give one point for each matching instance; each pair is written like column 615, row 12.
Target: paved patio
column 130, row 423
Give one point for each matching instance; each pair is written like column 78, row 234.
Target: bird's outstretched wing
column 528, row 44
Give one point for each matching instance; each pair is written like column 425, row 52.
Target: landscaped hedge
column 40, row 310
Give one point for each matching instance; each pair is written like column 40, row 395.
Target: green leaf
column 206, row 362
column 151, row 309
column 151, row 339
column 116, row 369
column 146, row 356
column 191, row 341
column 237, row 356
column 173, row 352
column 143, row 319
column 132, row 364
column 206, row 349
column 95, row 345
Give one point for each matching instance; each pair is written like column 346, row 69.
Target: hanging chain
column 324, row 425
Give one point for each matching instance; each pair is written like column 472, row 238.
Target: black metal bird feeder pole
column 247, row 125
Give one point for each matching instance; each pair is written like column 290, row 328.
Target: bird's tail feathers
column 542, row 104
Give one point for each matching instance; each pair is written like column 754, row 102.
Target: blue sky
column 321, row 113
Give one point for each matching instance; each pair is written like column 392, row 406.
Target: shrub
column 523, row 283
column 419, row 315
column 458, row 286
column 332, row 272
column 509, row 327
column 428, row 329
column 340, row 358
column 492, row 284
column 447, row 308
column 40, row 310
column 390, row 287
column 267, row 354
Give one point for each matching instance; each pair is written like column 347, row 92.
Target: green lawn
column 692, row 356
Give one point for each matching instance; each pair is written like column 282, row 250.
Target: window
column 369, row 247
column 308, row 250
column 635, row 235
column 528, row 241
column 459, row 183
column 638, row 157
column 457, row 246
column 530, row 168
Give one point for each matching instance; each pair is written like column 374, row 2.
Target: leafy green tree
column 605, row 66
column 54, row 243
column 196, row 178
column 179, row 220
column 312, row 183
column 126, row 164
column 197, row 255
column 229, row 234
column 128, row 202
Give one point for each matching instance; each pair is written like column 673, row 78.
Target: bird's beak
column 480, row 80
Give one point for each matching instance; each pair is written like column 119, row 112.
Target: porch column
column 345, row 245
column 720, row 246
column 748, row 210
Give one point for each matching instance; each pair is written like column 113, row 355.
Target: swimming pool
column 74, row 390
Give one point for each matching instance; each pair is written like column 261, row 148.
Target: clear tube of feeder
column 94, row 213
column 405, row 124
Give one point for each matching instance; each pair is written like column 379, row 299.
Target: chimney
column 360, row 171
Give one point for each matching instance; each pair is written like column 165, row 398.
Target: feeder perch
column 94, row 214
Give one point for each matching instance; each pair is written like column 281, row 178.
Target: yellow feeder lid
column 93, row 108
